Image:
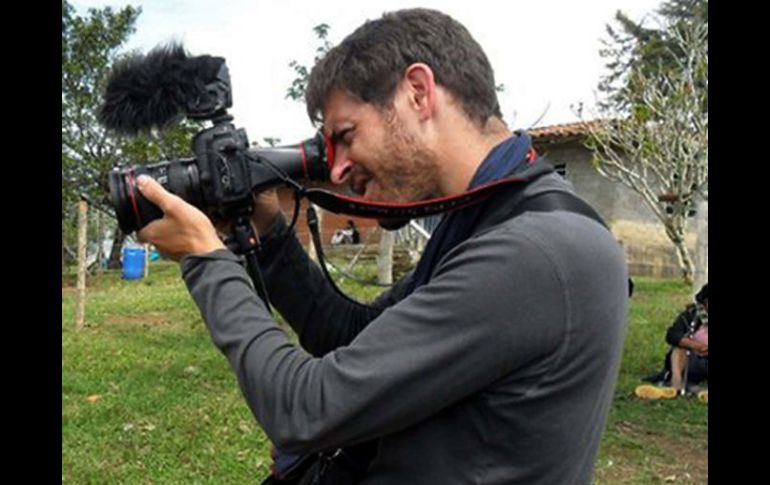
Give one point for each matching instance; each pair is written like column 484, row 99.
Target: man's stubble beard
column 410, row 169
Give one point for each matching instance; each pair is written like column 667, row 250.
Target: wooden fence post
column 99, row 238
column 80, row 300
column 146, row 259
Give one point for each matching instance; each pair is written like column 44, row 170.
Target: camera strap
column 352, row 206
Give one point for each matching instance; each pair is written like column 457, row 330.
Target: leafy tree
column 296, row 90
column 647, row 51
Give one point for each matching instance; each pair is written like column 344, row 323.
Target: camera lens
column 133, row 210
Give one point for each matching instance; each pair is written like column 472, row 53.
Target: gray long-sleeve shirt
column 500, row 370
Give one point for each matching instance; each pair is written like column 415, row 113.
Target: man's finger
column 154, row 192
column 147, row 232
column 151, row 231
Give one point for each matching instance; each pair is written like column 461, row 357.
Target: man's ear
column 420, row 88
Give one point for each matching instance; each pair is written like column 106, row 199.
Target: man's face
column 378, row 152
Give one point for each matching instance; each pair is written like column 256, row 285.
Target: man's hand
column 266, row 208
column 183, row 230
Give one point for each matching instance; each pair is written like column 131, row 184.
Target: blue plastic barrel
column 133, row 263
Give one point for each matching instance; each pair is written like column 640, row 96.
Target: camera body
column 222, row 155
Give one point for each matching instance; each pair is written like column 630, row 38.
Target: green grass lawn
column 146, row 397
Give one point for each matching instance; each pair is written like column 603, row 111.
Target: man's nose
column 341, row 168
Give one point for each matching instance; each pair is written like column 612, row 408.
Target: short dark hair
column 370, row 62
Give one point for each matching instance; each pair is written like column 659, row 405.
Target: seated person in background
column 686, row 362
column 348, row 235
column 689, row 336
column 352, row 231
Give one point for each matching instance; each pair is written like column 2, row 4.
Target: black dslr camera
column 156, row 90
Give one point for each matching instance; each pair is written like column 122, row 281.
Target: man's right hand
column 266, row 209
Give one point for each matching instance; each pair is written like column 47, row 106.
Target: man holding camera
column 495, row 360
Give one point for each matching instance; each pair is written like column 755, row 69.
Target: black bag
column 344, row 466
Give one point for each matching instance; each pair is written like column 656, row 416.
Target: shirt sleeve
column 322, row 318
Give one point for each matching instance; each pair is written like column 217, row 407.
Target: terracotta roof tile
column 578, row 128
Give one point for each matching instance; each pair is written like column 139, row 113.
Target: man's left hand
column 183, row 230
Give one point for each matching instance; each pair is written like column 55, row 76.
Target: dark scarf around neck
column 504, row 160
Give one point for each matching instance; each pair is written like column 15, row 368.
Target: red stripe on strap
column 329, row 153
column 531, row 155
column 131, row 186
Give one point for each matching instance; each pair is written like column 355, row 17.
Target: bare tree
column 701, row 246
column 660, row 148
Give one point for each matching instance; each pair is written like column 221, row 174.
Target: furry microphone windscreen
column 145, row 92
